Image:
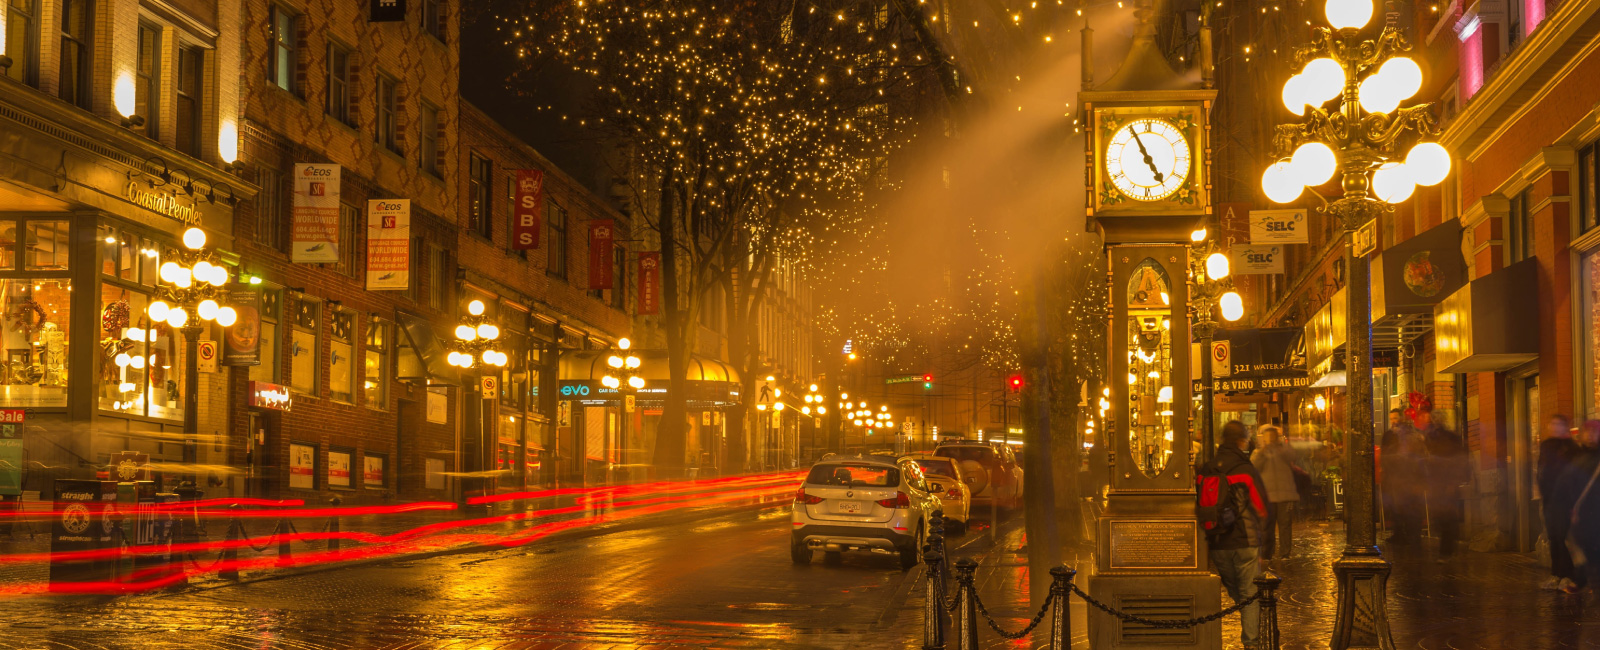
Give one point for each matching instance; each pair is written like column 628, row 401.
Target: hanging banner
column 388, row 11
column 241, row 343
column 314, row 236
column 1279, row 227
column 388, row 244
column 1255, row 260
column 600, row 264
column 649, row 283
column 528, row 211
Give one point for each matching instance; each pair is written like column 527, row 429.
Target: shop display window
column 140, row 364
column 271, row 336
column 48, row 245
column 1591, row 329
column 36, row 328
column 372, row 466
column 339, row 468
column 304, row 340
column 514, row 376
column 375, row 368
column 341, row 356
column 302, row 466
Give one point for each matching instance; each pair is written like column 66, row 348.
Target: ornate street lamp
column 1210, row 288
column 191, row 284
column 1358, row 138
column 475, row 341
column 622, row 375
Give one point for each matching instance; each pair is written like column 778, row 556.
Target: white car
column 862, row 503
column 997, row 475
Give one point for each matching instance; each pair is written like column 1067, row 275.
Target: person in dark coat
column 1446, row 470
column 1235, row 554
column 1556, row 453
column 1399, row 460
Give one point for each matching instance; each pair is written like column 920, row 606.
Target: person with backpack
column 1232, row 507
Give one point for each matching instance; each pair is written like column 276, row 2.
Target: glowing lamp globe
column 1232, row 306
column 219, row 276
column 1324, row 80
column 466, row 333
column 632, row 362
column 638, row 382
column 1217, row 266
column 1313, row 164
column 455, row 359
column 194, row 238
column 488, row 331
column 1381, row 92
column 1392, row 183
column 624, row 343
column 1280, row 183
column 1348, row 14
column 1196, row 237
column 122, row 360
column 475, row 308
column 227, row 316
column 488, row 357
column 182, row 278
column 208, row 309
column 1403, row 76
column 169, row 272
column 158, row 311
column 1296, row 94
column 1429, row 163
column 614, row 361
column 177, row 317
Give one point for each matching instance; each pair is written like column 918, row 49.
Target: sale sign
column 601, row 232
column 649, row 283
column 529, row 208
column 388, row 244
column 314, row 234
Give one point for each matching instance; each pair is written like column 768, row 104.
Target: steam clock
column 1149, row 185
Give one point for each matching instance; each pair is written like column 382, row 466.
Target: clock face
column 1148, row 159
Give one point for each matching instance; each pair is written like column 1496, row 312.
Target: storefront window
column 1591, row 319
column 127, row 256
column 514, row 377
column 304, row 338
column 372, row 470
column 535, row 364
column 35, row 329
column 375, row 370
column 140, row 367
column 339, row 468
column 8, row 244
column 341, row 358
column 48, row 244
column 302, row 466
column 271, row 336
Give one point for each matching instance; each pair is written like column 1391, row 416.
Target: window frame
column 385, row 352
column 193, row 59
column 556, row 228
column 147, row 78
column 428, row 140
column 270, row 209
column 283, row 50
column 385, row 123
column 351, row 228
column 25, row 59
column 272, row 303
column 336, row 102
column 314, row 389
column 1588, row 188
column 83, row 44
column 346, row 319
column 1519, row 229
column 480, row 195
column 433, row 22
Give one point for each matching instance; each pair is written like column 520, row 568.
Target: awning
column 1327, row 331
column 1490, row 324
column 420, row 355
column 1260, row 360
column 1416, row 274
column 711, row 383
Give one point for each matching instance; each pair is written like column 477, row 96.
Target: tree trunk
column 1044, row 540
column 670, row 436
column 739, row 353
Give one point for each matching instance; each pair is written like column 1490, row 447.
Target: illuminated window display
column 1150, row 392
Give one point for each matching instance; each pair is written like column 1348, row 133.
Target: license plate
column 850, row 507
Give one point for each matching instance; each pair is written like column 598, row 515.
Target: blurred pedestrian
column 1275, row 460
column 1446, row 466
column 1235, row 552
column 1401, row 455
column 1556, row 454
column 1574, row 490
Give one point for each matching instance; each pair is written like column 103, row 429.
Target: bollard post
column 1267, row 583
column 933, row 628
column 285, row 558
column 333, row 525
column 117, row 538
column 967, row 611
column 230, row 554
column 1061, row 608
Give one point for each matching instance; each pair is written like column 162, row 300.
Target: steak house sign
column 162, row 203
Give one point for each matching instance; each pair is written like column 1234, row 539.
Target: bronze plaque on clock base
column 1154, row 544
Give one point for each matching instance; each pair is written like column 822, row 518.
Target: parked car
column 954, row 487
column 862, row 503
column 999, row 477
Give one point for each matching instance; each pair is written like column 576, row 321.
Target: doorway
column 1523, row 451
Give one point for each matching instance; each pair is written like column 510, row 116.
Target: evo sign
column 1255, row 259
column 1278, row 227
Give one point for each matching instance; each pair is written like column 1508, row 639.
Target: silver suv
column 862, row 503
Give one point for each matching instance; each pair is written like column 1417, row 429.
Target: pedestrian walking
column 1401, row 455
column 1575, row 491
column 1275, row 461
column 1556, row 454
column 1446, row 467
column 1235, row 546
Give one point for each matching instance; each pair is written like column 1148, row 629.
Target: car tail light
column 954, row 492
column 900, row 500
column 801, row 496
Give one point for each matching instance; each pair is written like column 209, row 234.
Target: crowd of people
column 1421, row 468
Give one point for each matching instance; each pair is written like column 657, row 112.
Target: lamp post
column 191, row 283
column 1357, row 138
column 475, row 350
column 1211, row 287
column 816, row 410
column 622, row 375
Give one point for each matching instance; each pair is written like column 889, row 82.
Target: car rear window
column 937, row 467
column 853, row 475
column 965, row 452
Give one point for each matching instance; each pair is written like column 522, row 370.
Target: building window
column 76, row 18
column 436, row 277
column 304, row 336
column 339, row 467
column 375, row 366
column 479, row 180
column 190, row 83
column 372, row 470
column 269, row 209
column 281, row 60
column 511, row 216
column 48, row 245
column 1589, row 280
column 141, row 368
column 514, row 377
column 433, row 18
column 36, row 345
column 388, row 108
column 556, row 216
column 338, row 101
column 350, row 228
column 21, row 41
column 147, row 83
column 271, row 331
column 341, row 356
column 1520, row 230
column 428, row 156
column 1588, row 186
column 302, row 466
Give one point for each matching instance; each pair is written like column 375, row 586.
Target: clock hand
column 1147, row 159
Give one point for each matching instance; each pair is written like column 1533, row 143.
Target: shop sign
column 13, row 416
column 314, row 234
column 302, row 466
column 162, row 203
column 601, row 234
column 388, row 244
column 206, row 352
column 1255, row 259
column 129, row 466
column 388, row 11
column 528, row 212
column 241, row 343
column 1278, row 227
column 438, row 406
column 270, row 396
column 1257, row 385
column 649, row 283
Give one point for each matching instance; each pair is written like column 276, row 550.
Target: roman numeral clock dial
column 1148, row 159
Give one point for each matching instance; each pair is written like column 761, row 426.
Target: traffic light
column 927, row 381
column 1016, row 383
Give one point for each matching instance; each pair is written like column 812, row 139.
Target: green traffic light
column 927, row 385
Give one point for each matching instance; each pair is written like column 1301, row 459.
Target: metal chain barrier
column 1168, row 623
column 1045, row 609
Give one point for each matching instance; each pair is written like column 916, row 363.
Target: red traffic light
column 1016, row 382
column 927, row 377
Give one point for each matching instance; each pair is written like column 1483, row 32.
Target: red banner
column 527, row 213
column 600, row 264
column 649, row 283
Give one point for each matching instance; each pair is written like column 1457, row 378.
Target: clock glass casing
column 1148, row 159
